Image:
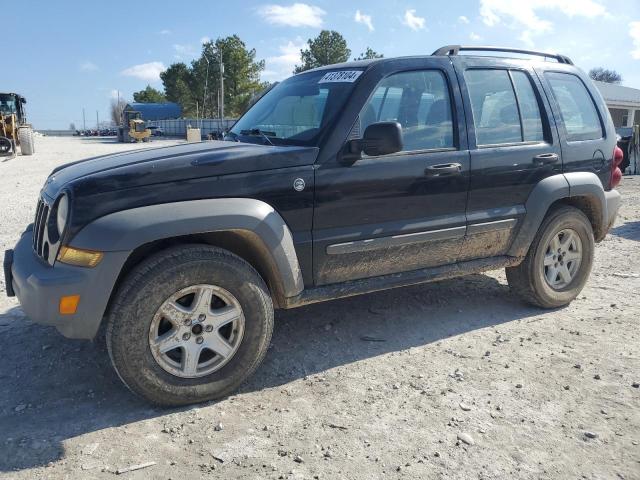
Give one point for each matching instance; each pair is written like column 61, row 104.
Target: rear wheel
column 189, row 324
column 559, row 260
column 25, row 138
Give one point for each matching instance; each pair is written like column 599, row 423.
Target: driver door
column 403, row 211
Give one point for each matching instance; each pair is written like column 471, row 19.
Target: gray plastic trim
column 129, row 229
column 506, row 224
column 573, row 185
column 395, row 241
column 540, row 199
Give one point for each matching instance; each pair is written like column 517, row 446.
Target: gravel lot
column 462, row 380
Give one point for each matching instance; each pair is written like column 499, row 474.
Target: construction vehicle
column 138, row 131
column 14, row 130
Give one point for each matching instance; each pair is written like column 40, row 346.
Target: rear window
column 579, row 113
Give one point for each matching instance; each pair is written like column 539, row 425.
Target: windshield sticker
column 348, row 76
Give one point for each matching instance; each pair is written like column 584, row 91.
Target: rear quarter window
column 579, row 113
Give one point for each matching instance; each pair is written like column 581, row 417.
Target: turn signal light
column 79, row 257
column 69, row 304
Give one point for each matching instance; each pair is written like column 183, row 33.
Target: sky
column 67, row 56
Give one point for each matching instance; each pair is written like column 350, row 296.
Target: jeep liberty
column 343, row 180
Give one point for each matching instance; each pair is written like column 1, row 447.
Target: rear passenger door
column 513, row 145
column 586, row 147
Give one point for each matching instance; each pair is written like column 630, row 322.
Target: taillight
column 616, row 173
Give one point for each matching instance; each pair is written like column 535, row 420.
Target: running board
column 395, row 280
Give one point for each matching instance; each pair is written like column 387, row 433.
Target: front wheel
column 188, row 325
column 559, row 260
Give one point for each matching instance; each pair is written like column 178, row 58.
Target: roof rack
column 455, row 49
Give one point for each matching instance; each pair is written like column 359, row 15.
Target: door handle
column 443, row 169
column 546, row 158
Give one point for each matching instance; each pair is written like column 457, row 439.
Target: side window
column 577, row 109
column 420, row 102
column 493, row 102
column 529, row 107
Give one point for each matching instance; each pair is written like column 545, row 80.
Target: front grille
column 40, row 244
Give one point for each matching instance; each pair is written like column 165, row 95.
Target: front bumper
column 39, row 287
column 613, row 200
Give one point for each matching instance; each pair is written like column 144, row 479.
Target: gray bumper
column 613, row 199
column 39, row 287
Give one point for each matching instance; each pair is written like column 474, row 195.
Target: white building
column 623, row 103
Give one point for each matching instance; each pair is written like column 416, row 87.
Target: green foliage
column 187, row 84
column 149, row 95
column 327, row 48
column 369, row 54
column 605, row 75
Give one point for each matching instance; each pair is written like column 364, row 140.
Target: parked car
column 343, row 180
column 156, row 131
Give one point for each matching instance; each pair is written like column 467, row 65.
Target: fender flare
column 572, row 186
column 129, row 229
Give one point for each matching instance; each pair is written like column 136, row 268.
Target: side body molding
column 128, row 229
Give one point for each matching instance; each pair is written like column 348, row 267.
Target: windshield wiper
column 232, row 135
column 259, row 133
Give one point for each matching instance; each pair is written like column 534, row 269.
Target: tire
column 25, row 138
column 531, row 279
column 130, row 335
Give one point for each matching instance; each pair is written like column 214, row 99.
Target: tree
column 178, row 82
column 369, row 54
column 197, row 86
column 604, row 75
column 117, row 107
column 149, row 95
column 241, row 75
column 327, row 48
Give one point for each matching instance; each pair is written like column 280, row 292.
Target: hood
column 170, row 164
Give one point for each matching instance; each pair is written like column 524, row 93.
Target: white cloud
column 463, row 19
column 204, row 40
column 183, row 51
column 282, row 65
column 165, row 32
column 412, row 21
column 524, row 14
column 149, row 72
column 295, row 15
column 634, row 33
column 88, row 67
column 474, row 37
column 364, row 19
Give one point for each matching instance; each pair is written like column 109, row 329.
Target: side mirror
column 382, row 138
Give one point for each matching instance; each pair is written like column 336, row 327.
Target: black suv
column 342, row 180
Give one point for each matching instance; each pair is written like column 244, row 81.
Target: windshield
column 7, row 104
column 295, row 111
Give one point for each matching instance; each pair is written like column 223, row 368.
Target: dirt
column 456, row 379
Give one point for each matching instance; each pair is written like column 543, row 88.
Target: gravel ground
column 462, row 380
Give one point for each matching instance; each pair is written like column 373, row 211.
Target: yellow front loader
column 138, row 131
column 14, row 130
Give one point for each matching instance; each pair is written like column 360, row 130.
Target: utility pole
column 221, row 87
column 97, row 121
column 84, row 121
column 206, row 84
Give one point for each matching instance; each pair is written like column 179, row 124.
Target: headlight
column 62, row 213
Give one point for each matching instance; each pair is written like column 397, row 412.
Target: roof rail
column 455, row 49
